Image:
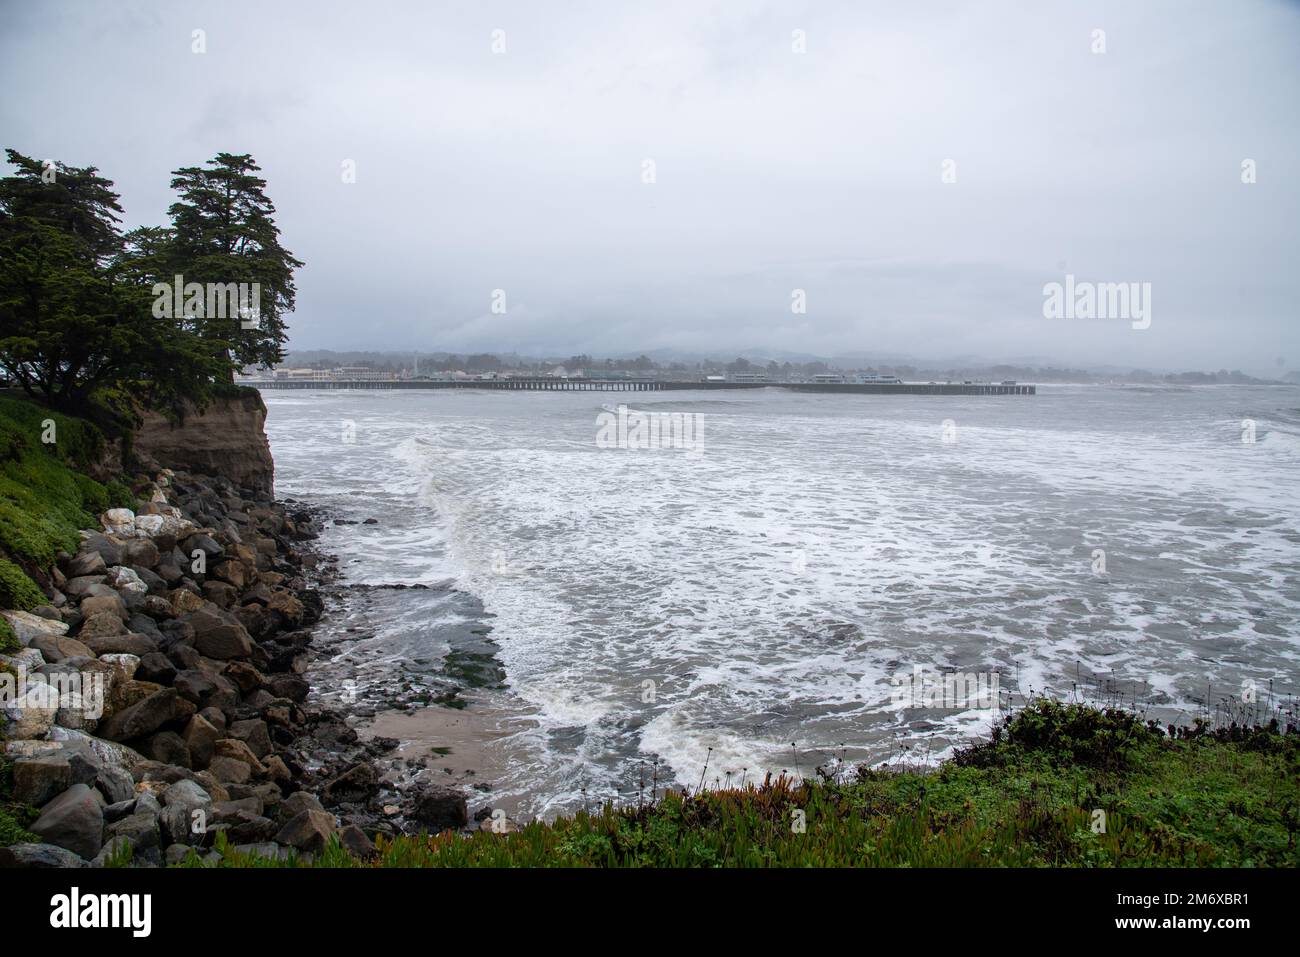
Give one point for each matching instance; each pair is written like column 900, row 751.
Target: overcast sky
column 774, row 170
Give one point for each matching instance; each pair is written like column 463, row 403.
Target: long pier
column 648, row 385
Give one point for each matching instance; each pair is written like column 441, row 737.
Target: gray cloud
column 522, row 171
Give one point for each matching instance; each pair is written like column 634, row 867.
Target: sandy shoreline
column 472, row 748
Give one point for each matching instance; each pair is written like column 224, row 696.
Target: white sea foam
column 770, row 588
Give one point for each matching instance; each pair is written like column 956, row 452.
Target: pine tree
column 76, row 332
column 223, row 231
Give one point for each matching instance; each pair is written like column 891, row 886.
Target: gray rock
column 103, row 604
column 155, row 583
column 101, row 624
column 143, row 717
column 118, row 810
column 203, row 543
column 219, row 635
column 141, row 829
column 81, row 587
column 200, row 738
column 253, row 733
column 38, row 779
column 54, row 648
column 109, row 548
column 246, row 827
column 146, row 801
column 169, row 748
column 307, row 831
column 139, row 551
column 124, row 580
column 27, row 626
column 156, row 667
column 75, row 820
column 39, row 855
column 229, row 770
column 86, row 563
column 183, row 825
column 356, row 843
column 297, row 802
column 178, row 854
column 264, row 849
column 142, row 624
column 115, row 784
column 186, row 794
column 441, row 808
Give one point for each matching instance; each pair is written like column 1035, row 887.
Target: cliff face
column 227, row 439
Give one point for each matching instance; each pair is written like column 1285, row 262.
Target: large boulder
column 229, row 770
column 86, row 563
column 73, row 820
column 27, row 626
column 237, row 750
column 102, row 625
column 218, row 634
column 356, row 784
column 307, row 831
column 40, row 777
column 109, row 547
column 185, row 601
column 55, row 648
column 146, row 716
column 85, row 586
column 252, row 732
column 288, row 607
column 118, row 521
column 187, row 794
column 201, row 737
column 356, row 843
column 441, row 808
column 38, row 855
column 126, row 643
column 95, row 605
column 141, row 829
column 31, row 716
column 140, row 551
column 124, row 580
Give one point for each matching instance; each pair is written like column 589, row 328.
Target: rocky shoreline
column 159, row 699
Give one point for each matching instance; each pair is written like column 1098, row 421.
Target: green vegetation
column 14, row 818
column 1029, row 797
column 45, row 495
column 8, row 640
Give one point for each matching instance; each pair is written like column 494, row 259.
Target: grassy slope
column 45, row 495
column 45, row 498
column 1026, row 798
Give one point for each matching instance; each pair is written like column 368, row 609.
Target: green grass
column 1026, row 798
column 45, row 495
column 14, row 818
column 8, row 640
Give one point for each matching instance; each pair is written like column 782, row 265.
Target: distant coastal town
column 334, row 367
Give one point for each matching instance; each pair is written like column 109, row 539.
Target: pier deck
column 649, row 385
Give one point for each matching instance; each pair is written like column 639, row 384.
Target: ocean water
column 753, row 607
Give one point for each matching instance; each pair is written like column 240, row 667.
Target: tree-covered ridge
column 80, row 325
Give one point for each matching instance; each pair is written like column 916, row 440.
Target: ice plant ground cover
column 1058, row 785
